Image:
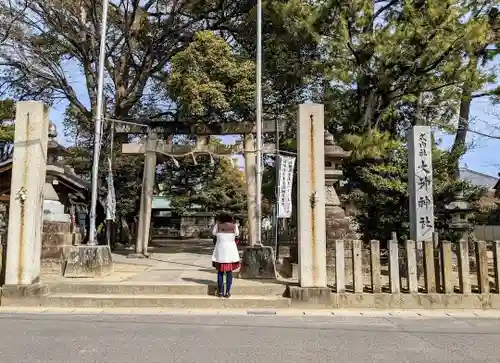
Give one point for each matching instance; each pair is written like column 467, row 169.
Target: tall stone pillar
column 250, row 179
column 148, row 183
column 258, row 261
column 26, row 194
column 311, row 196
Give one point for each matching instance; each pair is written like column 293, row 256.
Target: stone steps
column 153, row 295
column 264, row 289
column 70, row 300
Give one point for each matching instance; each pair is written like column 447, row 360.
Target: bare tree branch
column 53, row 36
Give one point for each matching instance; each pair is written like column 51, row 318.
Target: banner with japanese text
column 285, row 185
column 111, row 197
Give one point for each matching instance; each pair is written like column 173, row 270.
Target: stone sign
column 420, row 183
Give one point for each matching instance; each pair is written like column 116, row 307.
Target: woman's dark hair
column 225, row 217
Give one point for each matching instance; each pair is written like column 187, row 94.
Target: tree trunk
column 250, row 164
column 459, row 145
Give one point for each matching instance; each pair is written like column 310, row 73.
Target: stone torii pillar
column 148, row 184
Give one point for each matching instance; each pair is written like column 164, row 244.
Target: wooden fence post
column 339, row 267
column 446, row 268
column 496, row 264
column 357, row 266
column 464, row 267
column 411, row 266
column 375, row 266
column 483, row 280
column 429, row 273
column 394, row 267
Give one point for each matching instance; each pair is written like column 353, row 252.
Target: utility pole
column 98, row 126
column 258, row 114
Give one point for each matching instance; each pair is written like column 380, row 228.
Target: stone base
column 57, row 240
column 321, row 300
column 258, row 263
column 88, row 261
column 23, row 295
column 311, row 295
column 286, row 268
column 137, row 255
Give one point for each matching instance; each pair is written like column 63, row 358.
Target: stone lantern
column 338, row 225
column 460, row 211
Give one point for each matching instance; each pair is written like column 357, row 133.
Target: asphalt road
column 105, row 338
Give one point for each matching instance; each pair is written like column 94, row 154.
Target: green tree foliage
column 7, row 116
column 210, row 83
column 382, row 56
column 377, row 174
column 212, row 185
column 389, row 66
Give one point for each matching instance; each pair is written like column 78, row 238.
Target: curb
column 417, row 314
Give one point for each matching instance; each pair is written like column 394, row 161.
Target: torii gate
column 151, row 146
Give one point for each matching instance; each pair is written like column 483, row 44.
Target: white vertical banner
column 420, row 183
column 286, row 166
column 111, row 197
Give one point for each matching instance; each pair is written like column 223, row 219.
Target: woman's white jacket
column 225, row 250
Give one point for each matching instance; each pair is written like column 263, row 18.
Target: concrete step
column 163, row 301
column 264, row 289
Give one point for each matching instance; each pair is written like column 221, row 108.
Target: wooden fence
column 448, row 269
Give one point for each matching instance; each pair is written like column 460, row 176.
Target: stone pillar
column 249, row 146
column 148, row 183
column 26, row 196
column 420, row 186
column 311, row 196
column 258, row 261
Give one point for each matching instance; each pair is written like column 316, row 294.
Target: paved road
column 124, row 338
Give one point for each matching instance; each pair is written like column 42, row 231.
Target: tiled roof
column 478, row 179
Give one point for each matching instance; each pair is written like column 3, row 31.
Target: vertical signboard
column 420, row 183
column 111, row 197
column 285, row 185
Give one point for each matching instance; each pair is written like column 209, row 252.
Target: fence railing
column 285, row 236
column 447, row 269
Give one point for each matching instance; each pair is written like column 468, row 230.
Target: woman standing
column 225, row 257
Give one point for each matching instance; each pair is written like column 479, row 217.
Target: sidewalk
column 170, row 263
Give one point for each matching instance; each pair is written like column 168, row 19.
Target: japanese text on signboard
column 421, row 199
column 286, row 167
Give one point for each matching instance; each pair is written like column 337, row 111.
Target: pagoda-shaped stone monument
column 338, row 224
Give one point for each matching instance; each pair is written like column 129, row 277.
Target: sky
column 484, row 152
column 483, row 155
